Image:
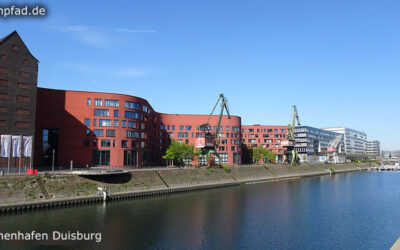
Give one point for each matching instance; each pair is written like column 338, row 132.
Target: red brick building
column 104, row 129
column 267, row 136
column 183, row 129
column 95, row 129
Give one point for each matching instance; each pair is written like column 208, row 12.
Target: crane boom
column 210, row 141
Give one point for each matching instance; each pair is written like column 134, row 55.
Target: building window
column 130, row 158
column 104, row 123
column 223, row 157
column 173, row 127
column 181, row 127
column 101, row 112
column 21, row 111
column 25, row 62
column 123, row 124
column 23, row 85
column 86, row 143
column 94, row 122
column 116, row 113
column 87, row 122
column 132, row 134
column 21, row 124
column 98, row 102
column 94, row 143
column 21, row 98
column 142, row 144
column 132, row 115
column 162, row 127
column 124, row 143
column 133, row 144
column 105, row 143
column 235, row 128
column 3, row 82
column 183, row 134
column 111, row 103
column 87, row 132
column 110, row 133
column 5, row 109
column 131, row 105
column 188, row 128
column 14, row 47
column 3, row 70
column 89, row 101
column 131, row 124
column 115, row 123
column 98, row 132
column 24, row 74
column 101, row 157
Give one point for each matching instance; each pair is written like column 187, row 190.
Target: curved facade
column 95, row 129
column 115, row 130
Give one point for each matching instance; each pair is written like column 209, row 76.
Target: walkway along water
column 20, row 193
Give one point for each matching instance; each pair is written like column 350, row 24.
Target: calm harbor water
column 345, row 211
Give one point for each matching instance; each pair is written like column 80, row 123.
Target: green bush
column 332, row 169
column 210, row 169
column 265, row 166
column 226, row 167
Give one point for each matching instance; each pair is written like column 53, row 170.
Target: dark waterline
column 345, row 211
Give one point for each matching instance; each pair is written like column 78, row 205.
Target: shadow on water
column 111, row 179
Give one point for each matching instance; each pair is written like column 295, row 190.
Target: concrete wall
column 46, row 188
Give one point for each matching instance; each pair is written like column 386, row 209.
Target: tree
column 260, row 152
column 178, row 151
column 271, row 156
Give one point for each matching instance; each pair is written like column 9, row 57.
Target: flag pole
column 30, row 158
column 20, row 154
column 9, row 155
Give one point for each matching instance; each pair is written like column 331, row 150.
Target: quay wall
column 18, row 193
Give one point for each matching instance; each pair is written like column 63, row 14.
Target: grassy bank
column 47, row 187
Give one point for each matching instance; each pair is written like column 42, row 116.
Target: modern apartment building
column 354, row 140
column 268, row 136
column 373, row 149
column 183, row 128
column 312, row 143
column 18, row 82
column 115, row 130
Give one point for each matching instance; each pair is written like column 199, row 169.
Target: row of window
column 115, row 123
column 265, row 135
column 106, row 143
column 22, row 73
column 20, row 98
column 265, row 140
column 268, row 130
column 115, row 103
column 189, row 128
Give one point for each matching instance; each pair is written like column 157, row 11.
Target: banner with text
column 27, row 146
column 16, row 146
column 5, row 145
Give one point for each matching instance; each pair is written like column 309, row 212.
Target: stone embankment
column 47, row 190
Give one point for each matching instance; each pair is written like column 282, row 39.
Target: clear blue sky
column 337, row 60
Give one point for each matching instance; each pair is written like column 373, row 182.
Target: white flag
column 5, row 145
column 27, row 146
column 16, row 145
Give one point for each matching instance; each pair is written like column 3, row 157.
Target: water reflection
column 344, row 211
